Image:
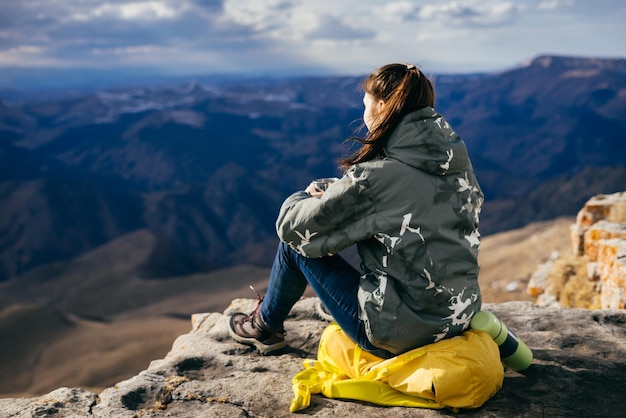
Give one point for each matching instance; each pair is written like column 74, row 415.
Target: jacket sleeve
column 317, row 227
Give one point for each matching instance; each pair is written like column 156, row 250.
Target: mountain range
column 202, row 167
column 123, row 211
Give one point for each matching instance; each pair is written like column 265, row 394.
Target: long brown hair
column 404, row 89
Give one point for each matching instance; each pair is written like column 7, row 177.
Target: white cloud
column 352, row 36
column 334, row 28
column 146, row 10
column 259, row 15
column 13, row 54
column 555, row 4
column 398, row 11
column 471, row 12
column 28, row 55
column 127, row 50
column 294, row 21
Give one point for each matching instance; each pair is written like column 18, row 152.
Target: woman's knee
column 288, row 254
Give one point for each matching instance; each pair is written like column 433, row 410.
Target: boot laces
column 256, row 311
column 255, row 316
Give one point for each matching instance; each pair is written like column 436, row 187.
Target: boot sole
column 263, row 348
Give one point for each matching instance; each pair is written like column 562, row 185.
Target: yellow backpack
column 460, row 372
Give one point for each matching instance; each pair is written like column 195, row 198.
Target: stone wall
column 596, row 269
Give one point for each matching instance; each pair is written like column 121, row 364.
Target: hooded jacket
column 413, row 215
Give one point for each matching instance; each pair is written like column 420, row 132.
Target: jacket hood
column 425, row 140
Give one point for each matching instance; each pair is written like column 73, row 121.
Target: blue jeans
column 334, row 281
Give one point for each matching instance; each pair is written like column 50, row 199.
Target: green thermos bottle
column 513, row 352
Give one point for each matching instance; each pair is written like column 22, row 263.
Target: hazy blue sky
column 310, row 36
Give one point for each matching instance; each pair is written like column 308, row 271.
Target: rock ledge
column 579, row 370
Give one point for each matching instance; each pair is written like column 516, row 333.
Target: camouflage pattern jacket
column 414, row 217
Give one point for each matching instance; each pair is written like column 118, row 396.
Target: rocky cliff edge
column 579, row 370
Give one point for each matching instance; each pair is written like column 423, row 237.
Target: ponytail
column 404, row 89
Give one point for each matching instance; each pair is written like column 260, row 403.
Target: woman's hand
column 313, row 190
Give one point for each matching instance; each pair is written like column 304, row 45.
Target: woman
column 410, row 201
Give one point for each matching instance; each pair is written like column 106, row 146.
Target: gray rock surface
column 579, row 371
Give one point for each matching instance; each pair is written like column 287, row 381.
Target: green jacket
column 414, row 217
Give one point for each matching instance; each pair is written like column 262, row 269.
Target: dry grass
column 569, row 282
column 509, row 259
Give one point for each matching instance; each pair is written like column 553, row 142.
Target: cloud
column 287, row 35
column 334, row 28
column 292, row 21
column 452, row 13
column 555, row 4
column 145, row 10
column 471, row 13
column 261, row 17
column 398, row 11
column 123, row 31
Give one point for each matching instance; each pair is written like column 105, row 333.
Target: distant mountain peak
column 561, row 62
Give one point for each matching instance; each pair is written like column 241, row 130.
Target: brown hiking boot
column 250, row 329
